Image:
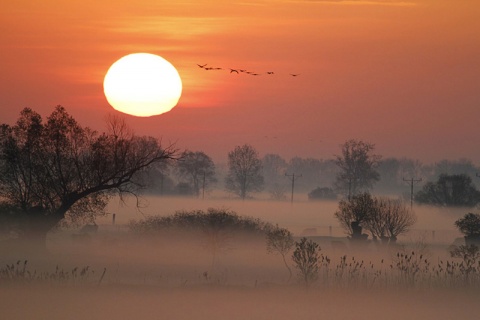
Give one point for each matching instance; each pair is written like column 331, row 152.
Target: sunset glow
column 401, row 74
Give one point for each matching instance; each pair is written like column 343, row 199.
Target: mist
column 172, row 276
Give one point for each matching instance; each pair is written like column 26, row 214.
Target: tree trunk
column 357, row 234
column 473, row 239
column 37, row 225
column 288, row 267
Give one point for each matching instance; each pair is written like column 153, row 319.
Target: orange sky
column 404, row 74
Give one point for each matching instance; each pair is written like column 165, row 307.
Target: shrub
column 306, row 257
column 469, row 225
column 470, row 255
column 199, row 220
column 385, row 218
column 280, row 241
column 215, row 227
column 322, row 194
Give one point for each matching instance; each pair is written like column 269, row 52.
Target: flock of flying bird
column 238, row 71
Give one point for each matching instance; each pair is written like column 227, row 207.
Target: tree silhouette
column 198, row 168
column 273, row 171
column 244, row 171
column 58, row 169
column 385, row 218
column 449, row 190
column 389, row 219
column 469, row 225
column 354, row 213
column 306, row 258
column 357, row 167
column 280, row 241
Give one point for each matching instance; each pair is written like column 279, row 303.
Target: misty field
column 113, row 274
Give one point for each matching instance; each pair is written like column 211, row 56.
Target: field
column 114, row 275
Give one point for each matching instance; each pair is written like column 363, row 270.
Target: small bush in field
column 306, row 258
column 280, row 241
column 212, row 219
column 470, row 255
column 324, row 193
column 216, row 227
column 469, row 224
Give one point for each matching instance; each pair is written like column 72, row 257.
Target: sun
column 143, row 85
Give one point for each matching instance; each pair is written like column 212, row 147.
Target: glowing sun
column 143, row 85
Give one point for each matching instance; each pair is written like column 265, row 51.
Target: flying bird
column 202, row 66
column 270, row 72
column 294, row 74
column 233, row 70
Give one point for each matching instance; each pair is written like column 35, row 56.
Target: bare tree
column 389, row 219
column 280, row 241
column 306, row 257
column 244, row 171
column 198, row 168
column 357, row 167
column 58, row 169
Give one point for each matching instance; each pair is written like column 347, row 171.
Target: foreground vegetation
column 405, row 269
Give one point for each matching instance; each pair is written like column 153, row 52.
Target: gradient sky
column 403, row 75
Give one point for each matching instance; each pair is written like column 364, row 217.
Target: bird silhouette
column 237, row 71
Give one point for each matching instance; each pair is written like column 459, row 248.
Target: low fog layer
column 115, row 274
column 302, row 217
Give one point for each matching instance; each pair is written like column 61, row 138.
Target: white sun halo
column 142, row 84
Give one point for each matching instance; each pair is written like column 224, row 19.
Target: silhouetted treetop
column 449, row 190
column 357, row 167
column 59, row 169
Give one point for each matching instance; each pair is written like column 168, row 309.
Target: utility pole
column 203, row 187
column 412, row 181
column 292, row 177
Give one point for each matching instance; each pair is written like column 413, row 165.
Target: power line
column 292, row 177
column 412, row 182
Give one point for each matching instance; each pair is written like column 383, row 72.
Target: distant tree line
column 354, row 170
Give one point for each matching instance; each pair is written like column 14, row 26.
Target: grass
column 410, row 270
column 18, row 272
